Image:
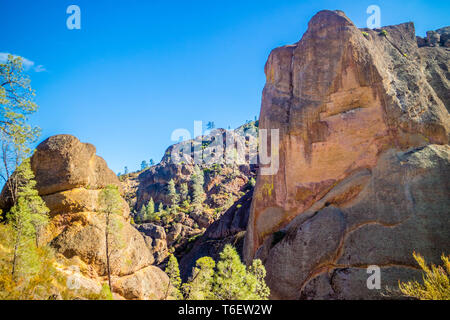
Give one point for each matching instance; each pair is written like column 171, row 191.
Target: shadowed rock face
column 230, row 228
column 342, row 102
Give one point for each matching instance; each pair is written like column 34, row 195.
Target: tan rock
column 150, row 283
column 402, row 208
column 88, row 242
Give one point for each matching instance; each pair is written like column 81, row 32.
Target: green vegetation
column 26, row 266
column 184, row 192
column 230, row 279
column 173, row 272
column 365, row 34
column 198, row 194
column 174, row 198
column 251, row 183
column 144, row 165
column 436, row 282
column 383, row 33
column 111, row 206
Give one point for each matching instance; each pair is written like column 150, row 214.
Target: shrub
column 436, row 282
column 383, row 33
column 365, row 34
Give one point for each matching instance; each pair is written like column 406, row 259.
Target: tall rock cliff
column 364, row 160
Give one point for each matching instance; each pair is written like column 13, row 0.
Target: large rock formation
column 364, row 160
column 226, row 158
column 69, row 178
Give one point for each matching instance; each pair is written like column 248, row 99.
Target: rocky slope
column 69, row 178
column 227, row 174
column 364, row 160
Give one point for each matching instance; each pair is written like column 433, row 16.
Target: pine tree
column 173, row 272
column 174, row 198
column 152, row 162
column 150, row 207
column 143, row 214
column 144, row 165
column 111, row 206
column 198, row 194
column 29, row 215
column 259, row 272
column 184, row 192
column 16, row 135
column 200, row 285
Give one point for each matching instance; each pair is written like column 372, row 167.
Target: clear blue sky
column 137, row 70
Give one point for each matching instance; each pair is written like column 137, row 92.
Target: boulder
column 433, row 38
column 70, row 177
column 62, row 163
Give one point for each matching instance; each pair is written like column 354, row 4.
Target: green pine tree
column 174, row 198
column 111, row 206
column 29, row 216
column 173, row 272
column 144, row 165
column 184, row 192
column 198, row 193
column 232, row 280
column 259, row 272
column 200, row 285
column 143, row 214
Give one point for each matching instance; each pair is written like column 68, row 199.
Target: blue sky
column 137, row 70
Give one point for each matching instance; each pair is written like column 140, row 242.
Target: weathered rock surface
column 156, row 240
column 62, row 163
column 364, row 130
column 224, row 177
column 227, row 159
column 402, row 208
column 70, row 178
column 229, row 229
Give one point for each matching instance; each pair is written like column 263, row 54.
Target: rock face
column 363, row 135
column 69, row 178
column 222, row 176
column 156, row 240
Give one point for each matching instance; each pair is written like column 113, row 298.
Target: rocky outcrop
column 228, row 229
column 439, row 37
column 363, row 135
column 63, row 163
column 224, row 176
column 402, row 208
column 227, row 159
column 69, row 178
